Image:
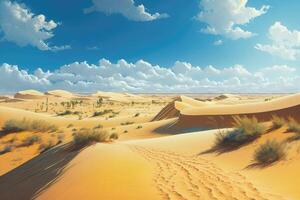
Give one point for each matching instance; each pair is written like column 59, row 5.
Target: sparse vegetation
column 30, row 140
column 245, row 131
column 14, row 125
column 98, row 126
column 6, row 149
column 139, row 127
column 137, row 114
column 269, row 152
column 114, row 136
column 88, row 136
column 293, row 125
column 277, row 122
column 46, row 146
column 127, row 123
column 101, row 113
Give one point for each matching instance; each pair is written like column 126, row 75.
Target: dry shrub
column 277, row 122
column 245, row 130
column 14, row 125
column 293, row 125
column 88, row 136
column 30, row 140
column 269, row 152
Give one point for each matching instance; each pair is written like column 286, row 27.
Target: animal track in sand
column 180, row 177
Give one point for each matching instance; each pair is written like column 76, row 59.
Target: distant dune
column 121, row 97
column 60, row 93
column 29, row 94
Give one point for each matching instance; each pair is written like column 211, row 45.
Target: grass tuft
column 86, row 137
column 293, row 125
column 277, row 122
column 269, row 152
column 245, row 131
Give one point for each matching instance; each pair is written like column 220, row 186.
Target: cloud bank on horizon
column 143, row 77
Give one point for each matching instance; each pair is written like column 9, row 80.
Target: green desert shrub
column 245, row 130
column 277, row 122
column 269, row 152
column 293, row 125
column 14, row 125
column 89, row 136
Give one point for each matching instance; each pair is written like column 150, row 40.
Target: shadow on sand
column 33, row 177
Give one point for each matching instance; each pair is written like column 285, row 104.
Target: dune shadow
column 172, row 128
column 260, row 165
column 33, row 177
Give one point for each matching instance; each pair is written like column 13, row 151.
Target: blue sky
column 160, row 41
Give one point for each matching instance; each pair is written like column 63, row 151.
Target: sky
column 148, row 46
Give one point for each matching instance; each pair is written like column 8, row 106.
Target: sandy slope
column 29, row 94
column 171, row 167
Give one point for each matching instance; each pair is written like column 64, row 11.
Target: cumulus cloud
column 19, row 25
column 285, row 43
column 218, row 42
column 145, row 77
column 127, row 8
column 224, row 17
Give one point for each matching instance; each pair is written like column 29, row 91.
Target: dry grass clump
column 45, row 146
column 293, row 125
column 114, row 136
column 14, row 125
column 277, row 122
column 6, row 149
column 88, row 136
column 269, row 152
column 245, row 131
column 30, row 140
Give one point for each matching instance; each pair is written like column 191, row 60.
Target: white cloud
column 145, row 77
column 285, row 42
column 127, row 8
column 224, row 17
column 19, row 25
column 218, row 42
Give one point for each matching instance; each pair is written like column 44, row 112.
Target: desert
column 149, row 149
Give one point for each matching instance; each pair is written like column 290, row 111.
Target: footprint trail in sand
column 180, row 177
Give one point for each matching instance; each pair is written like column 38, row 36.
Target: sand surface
column 151, row 159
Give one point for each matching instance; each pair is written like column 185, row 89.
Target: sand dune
column 29, row 94
column 60, row 93
column 147, row 164
column 120, row 97
column 218, row 115
column 174, row 108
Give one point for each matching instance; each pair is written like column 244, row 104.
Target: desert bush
column 277, row 122
column 67, row 112
column 98, row 126
column 45, row 146
column 114, row 136
column 100, row 113
column 125, row 131
column 139, row 127
column 30, row 140
column 137, row 114
column 293, row 125
column 70, row 125
column 269, row 152
column 246, row 130
column 89, row 136
column 6, row 149
column 126, row 123
column 60, row 138
column 14, row 125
